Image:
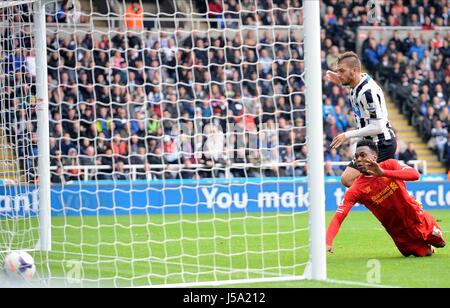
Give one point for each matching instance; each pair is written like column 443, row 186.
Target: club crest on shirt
column 393, row 185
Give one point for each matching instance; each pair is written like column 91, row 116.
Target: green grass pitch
column 129, row 251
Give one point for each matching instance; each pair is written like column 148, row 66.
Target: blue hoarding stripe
column 144, row 198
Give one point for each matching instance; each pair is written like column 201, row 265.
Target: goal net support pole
column 43, row 128
column 314, row 127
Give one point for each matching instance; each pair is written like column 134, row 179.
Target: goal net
column 24, row 220
column 177, row 142
column 18, row 129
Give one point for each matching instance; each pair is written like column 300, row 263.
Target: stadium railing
column 133, row 169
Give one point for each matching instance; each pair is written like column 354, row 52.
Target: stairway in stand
column 407, row 133
column 9, row 170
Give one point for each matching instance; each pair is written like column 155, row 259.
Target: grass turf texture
column 91, row 245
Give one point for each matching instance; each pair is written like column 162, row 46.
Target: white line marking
column 361, row 284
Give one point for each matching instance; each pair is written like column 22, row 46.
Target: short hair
column 351, row 58
column 368, row 143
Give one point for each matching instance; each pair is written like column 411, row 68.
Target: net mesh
column 18, row 125
column 177, row 139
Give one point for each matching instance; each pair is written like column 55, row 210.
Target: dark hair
column 368, row 143
column 353, row 58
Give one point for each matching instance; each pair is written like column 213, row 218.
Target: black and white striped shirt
column 367, row 100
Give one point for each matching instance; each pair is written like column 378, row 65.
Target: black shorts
column 386, row 150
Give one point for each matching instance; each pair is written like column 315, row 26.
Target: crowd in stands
column 207, row 98
column 179, row 99
column 416, row 73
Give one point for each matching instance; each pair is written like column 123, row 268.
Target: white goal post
column 316, row 181
column 227, row 98
column 42, row 110
column 25, row 179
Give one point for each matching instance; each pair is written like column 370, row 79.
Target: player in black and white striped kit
column 367, row 100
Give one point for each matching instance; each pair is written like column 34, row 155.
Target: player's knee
column 414, row 253
column 440, row 245
column 428, row 252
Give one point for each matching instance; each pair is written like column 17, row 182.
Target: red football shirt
column 386, row 197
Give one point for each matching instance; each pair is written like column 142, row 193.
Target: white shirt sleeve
column 374, row 128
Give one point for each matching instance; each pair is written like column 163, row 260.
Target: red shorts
column 418, row 239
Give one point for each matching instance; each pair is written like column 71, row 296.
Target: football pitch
column 142, row 250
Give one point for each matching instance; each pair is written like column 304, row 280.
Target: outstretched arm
column 374, row 128
column 338, row 218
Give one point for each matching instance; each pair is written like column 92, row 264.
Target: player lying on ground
column 381, row 188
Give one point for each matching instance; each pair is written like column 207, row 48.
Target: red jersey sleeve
column 350, row 199
column 394, row 170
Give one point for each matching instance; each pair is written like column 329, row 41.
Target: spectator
column 447, row 154
column 214, row 144
column 287, row 156
column 134, row 16
column 146, row 174
column 418, row 47
column 89, row 158
column 62, row 11
column 329, row 171
column 188, row 172
column 332, row 56
column 333, row 156
column 409, row 154
column 412, row 104
column 331, row 129
column 58, row 176
column 119, row 147
column 67, row 144
column 106, row 159
column 438, row 139
column 120, row 173
column 341, row 119
column 104, row 122
column 428, row 123
column 121, row 122
column 371, row 59
column 215, row 8
column 445, row 50
column 75, row 173
column 328, row 109
column 171, row 154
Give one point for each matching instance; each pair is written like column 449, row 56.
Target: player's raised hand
column 338, row 141
column 333, row 77
column 373, row 168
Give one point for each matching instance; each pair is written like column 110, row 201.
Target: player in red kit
column 381, row 188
